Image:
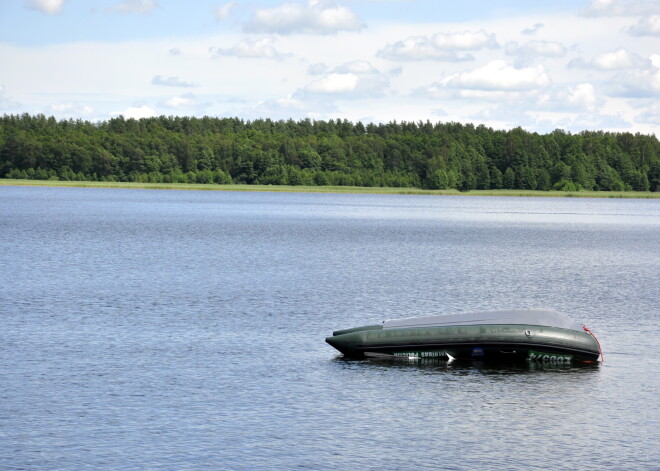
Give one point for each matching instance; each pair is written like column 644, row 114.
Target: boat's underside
column 501, row 342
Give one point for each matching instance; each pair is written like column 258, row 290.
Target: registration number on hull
column 554, row 358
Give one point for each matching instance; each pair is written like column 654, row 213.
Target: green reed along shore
column 329, row 189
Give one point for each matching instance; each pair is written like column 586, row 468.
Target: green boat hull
column 498, row 342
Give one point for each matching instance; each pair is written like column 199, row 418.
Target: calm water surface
column 175, row 330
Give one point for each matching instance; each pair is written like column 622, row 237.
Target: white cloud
column 440, row 91
column 440, row 46
column 142, row 7
column 71, row 108
column 519, row 114
column 171, row 82
column 254, row 49
column 648, row 26
column 613, row 60
column 533, row 49
column 499, row 76
column 187, row 101
column 419, row 48
column 655, row 60
column 180, row 102
column 466, row 40
column 356, row 79
column 622, row 8
column 174, row 51
column 357, row 67
column 533, row 30
column 619, row 59
column 591, row 122
column 50, row 7
column 223, row 12
column 650, row 114
column 315, row 17
column 291, row 107
column 334, row 83
column 636, row 83
column 136, row 112
column 583, row 95
column 580, row 97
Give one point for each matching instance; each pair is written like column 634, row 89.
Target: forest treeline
column 334, row 152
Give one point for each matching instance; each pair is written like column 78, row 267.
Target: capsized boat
column 533, row 335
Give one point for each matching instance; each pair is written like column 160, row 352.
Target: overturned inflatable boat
column 533, row 335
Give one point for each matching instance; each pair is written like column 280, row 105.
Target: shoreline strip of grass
column 329, row 189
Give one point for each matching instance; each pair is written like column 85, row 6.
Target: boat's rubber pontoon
column 534, row 335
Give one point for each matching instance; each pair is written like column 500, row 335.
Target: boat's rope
column 586, row 329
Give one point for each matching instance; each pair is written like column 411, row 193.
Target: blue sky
column 592, row 64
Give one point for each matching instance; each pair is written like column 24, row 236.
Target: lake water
column 162, row 330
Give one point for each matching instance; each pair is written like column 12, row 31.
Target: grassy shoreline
column 330, row 189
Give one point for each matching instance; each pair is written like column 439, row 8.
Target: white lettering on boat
column 420, row 354
column 554, row 358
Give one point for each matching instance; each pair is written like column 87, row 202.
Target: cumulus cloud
column 642, row 83
column 136, row 112
column 71, row 108
column 334, row 83
column 142, row 7
column 440, row 91
column 580, row 97
column 589, row 121
column 187, row 101
column 180, row 102
column 650, row 114
column 533, row 29
column 532, row 49
column 499, row 76
column 50, row 7
column 293, row 107
column 440, row 46
column 466, row 40
column 622, row 8
column 223, row 12
column 655, row 60
column 613, row 60
column 174, row 51
column 314, row 17
column 520, row 113
column 171, row 82
column 253, row 49
column 648, row 26
column 357, row 67
column 357, row 79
